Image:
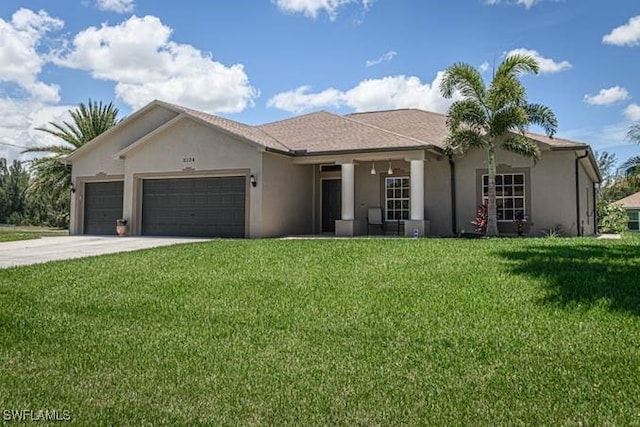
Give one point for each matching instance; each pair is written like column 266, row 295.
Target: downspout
column 578, row 228
column 595, row 211
column 454, row 214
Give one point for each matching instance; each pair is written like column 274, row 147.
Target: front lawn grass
column 325, row 332
column 9, row 233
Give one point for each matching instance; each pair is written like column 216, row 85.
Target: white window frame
column 635, row 213
column 403, row 200
column 501, row 196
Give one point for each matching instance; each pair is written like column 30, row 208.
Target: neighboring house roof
column 632, row 201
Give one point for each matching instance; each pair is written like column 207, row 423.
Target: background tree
column 494, row 117
column 14, row 180
column 49, row 188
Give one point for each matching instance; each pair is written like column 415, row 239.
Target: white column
column 348, row 191
column 417, row 190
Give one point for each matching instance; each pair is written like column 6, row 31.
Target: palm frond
column 59, row 150
column 542, row 116
column 465, row 79
column 516, row 65
column 467, row 113
column 634, row 133
column 509, row 119
column 631, row 167
column 462, row 140
column 522, row 146
column 504, row 92
column 87, row 122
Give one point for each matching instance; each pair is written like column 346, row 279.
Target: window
column 634, row 220
column 397, row 198
column 509, row 195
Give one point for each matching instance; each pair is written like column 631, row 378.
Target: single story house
column 171, row 170
column 632, row 205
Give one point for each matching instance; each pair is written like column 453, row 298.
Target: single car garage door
column 207, row 207
column 102, row 206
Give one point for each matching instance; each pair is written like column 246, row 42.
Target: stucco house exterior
column 171, row 170
column 632, row 205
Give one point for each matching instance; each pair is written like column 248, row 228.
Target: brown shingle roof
column 432, row 127
column 323, row 132
column 632, row 201
column 423, row 125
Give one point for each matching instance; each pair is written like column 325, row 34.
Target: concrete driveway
column 26, row 252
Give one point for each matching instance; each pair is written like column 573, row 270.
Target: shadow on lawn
column 584, row 274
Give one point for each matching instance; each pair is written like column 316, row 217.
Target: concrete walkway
column 26, row 252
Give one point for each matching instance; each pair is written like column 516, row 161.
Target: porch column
column 417, row 190
column 348, row 191
column 347, row 226
column 416, row 226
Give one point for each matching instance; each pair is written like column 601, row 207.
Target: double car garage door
column 206, row 207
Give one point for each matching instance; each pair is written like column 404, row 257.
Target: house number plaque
column 188, row 160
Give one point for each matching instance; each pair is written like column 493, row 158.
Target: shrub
column 480, row 223
column 614, row 219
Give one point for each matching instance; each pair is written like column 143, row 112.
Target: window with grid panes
column 634, row 220
column 510, row 197
column 397, row 198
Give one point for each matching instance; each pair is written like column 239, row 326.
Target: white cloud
column 311, row 8
column 375, row 94
column 526, row 3
column 484, row 67
column 18, row 121
column 388, row 56
column 607, row 96
column 139, row 56
column 632, row 112
column 20, row 61
column 547, row 65
column 625, row 35
column 119, row 6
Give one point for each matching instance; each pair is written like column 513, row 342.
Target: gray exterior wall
column 287, row 196
column 437, row 196
column 191, row 149
column 552, row 189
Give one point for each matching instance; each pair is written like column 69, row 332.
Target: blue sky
column 257, row 61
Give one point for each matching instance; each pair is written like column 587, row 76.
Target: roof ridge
column 392, row 110
column 298, row 117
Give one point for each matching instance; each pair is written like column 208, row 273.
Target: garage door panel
column 102, row 206
column 194, row 207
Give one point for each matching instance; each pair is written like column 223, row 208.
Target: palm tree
column 634, row 133
column 494, row 117
column 52, row 179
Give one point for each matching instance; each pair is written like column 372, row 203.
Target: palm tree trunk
column 492, row 212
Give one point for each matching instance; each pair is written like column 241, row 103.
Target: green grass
column 11, row 233
column 324, row 332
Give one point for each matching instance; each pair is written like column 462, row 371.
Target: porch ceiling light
column 373, row 168
column 390, row 171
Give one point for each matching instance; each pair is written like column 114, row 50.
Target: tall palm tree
column 494, row 117
column 51, row 178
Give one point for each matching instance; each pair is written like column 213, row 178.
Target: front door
column 331, row 204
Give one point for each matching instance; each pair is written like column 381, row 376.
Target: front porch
column 348, row 187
